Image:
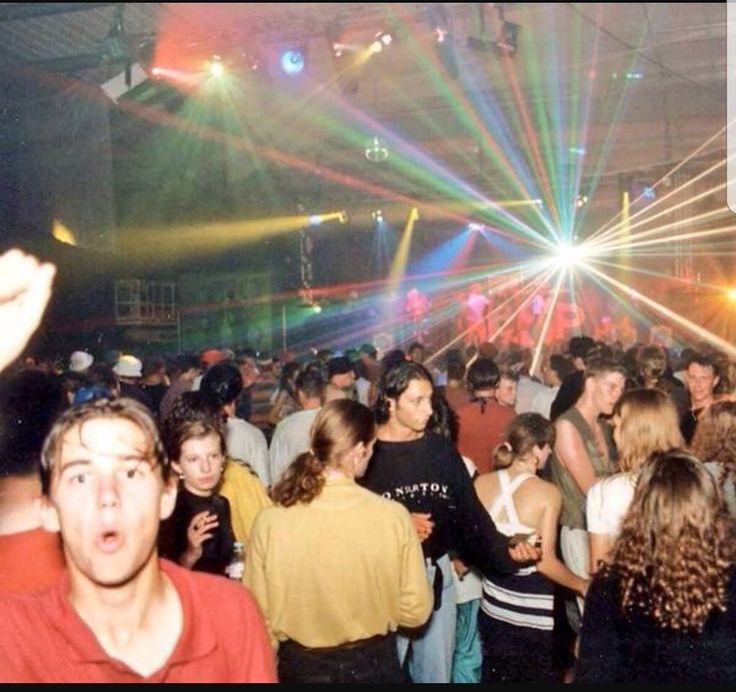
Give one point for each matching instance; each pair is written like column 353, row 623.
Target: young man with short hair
column 119, row 614
column 584, row 452
column 701, row 379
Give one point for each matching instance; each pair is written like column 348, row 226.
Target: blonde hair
column 339, row 426
column 673, row 556
column 649, row 423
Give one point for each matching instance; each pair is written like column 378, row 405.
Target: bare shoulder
column 564, row 428
column 485, row 485
column 541, row 489
column 568, row 443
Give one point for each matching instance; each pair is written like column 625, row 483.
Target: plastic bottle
column 237, row 562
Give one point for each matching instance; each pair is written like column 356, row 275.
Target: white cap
column 80, row 360
column 128, row 366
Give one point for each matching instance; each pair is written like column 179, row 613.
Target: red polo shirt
column 30, row 560
column 223, row 638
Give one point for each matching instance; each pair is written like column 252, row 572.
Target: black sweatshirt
column 428, row 475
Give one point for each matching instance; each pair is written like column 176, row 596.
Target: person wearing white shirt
column 644, row 421
column 292, row 434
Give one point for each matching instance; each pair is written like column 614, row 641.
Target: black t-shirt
column 216, row 551
column 688, row 423
column 428, row 475
column 153, row 395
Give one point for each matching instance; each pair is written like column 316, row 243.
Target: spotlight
column 581, row 201
column 315, row 220
column 215, row 66
column 380, row 41
column 473, row 226
column 293, row 61
column 732, row 295
column 569, row 255
column 377, row 217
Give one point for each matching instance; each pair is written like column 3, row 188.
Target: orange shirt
column 482, row 429
column 30, row 560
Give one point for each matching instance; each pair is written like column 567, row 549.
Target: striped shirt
column 525, row 598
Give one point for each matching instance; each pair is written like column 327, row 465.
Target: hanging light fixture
column 376, row 150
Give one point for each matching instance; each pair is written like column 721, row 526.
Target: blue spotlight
column 292, row 61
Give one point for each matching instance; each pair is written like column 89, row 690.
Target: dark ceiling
column 460, row 123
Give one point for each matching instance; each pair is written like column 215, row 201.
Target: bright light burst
column 636, row 260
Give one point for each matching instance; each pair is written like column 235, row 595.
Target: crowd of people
column 405, row 516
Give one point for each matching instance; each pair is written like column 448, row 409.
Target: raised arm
column 25, row 289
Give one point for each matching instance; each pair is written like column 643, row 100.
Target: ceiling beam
column 11, row 12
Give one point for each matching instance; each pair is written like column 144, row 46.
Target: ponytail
column 503, row 456
column 302, row 481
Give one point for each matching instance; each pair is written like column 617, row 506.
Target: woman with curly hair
column 336, row 568
column 644, row 421
column 664, row 609
column 715, row 443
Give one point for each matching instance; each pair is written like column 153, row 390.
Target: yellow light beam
column 668, row 174
column 673, row 238
column 195, row 238
column 62, row 233
column 702, row 334
column 705, row 217
column 649, row 218
column 398, row 265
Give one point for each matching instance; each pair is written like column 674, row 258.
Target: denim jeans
column 430, row 649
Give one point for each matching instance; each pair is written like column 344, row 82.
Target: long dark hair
column 394, row 382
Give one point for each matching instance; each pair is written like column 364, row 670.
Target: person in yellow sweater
column 336, row 568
